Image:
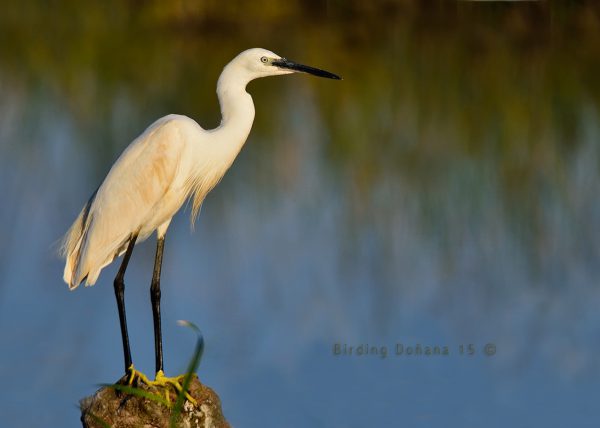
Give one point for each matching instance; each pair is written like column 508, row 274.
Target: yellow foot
column 176, row 382
column 133, row 374
column 161, row 380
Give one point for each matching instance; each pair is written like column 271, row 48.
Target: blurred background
column 445, row 193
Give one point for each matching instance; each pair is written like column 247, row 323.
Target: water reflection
column 443, row 193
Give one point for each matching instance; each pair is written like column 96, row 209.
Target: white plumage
column 172, row 160
column 143, row 190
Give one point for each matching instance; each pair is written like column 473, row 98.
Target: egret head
column 254, row 63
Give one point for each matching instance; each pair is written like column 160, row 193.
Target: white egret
column 173, row 159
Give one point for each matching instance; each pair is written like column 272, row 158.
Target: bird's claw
column 176, row 382
column 160, row 380
column 133, row 374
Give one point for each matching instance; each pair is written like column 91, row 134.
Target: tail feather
column 72, row 243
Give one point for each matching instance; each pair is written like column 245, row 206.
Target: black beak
column 291, row 65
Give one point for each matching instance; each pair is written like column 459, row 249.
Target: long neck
column 237, row 109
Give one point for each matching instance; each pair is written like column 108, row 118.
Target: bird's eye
column 264, row 60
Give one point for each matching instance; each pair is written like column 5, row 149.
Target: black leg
column 120, row 294
column 155, row 297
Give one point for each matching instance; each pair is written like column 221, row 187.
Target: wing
column 127, row 198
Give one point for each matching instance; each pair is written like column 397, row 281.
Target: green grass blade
column 99, row 420
column 191, row 369
column 139, row 392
